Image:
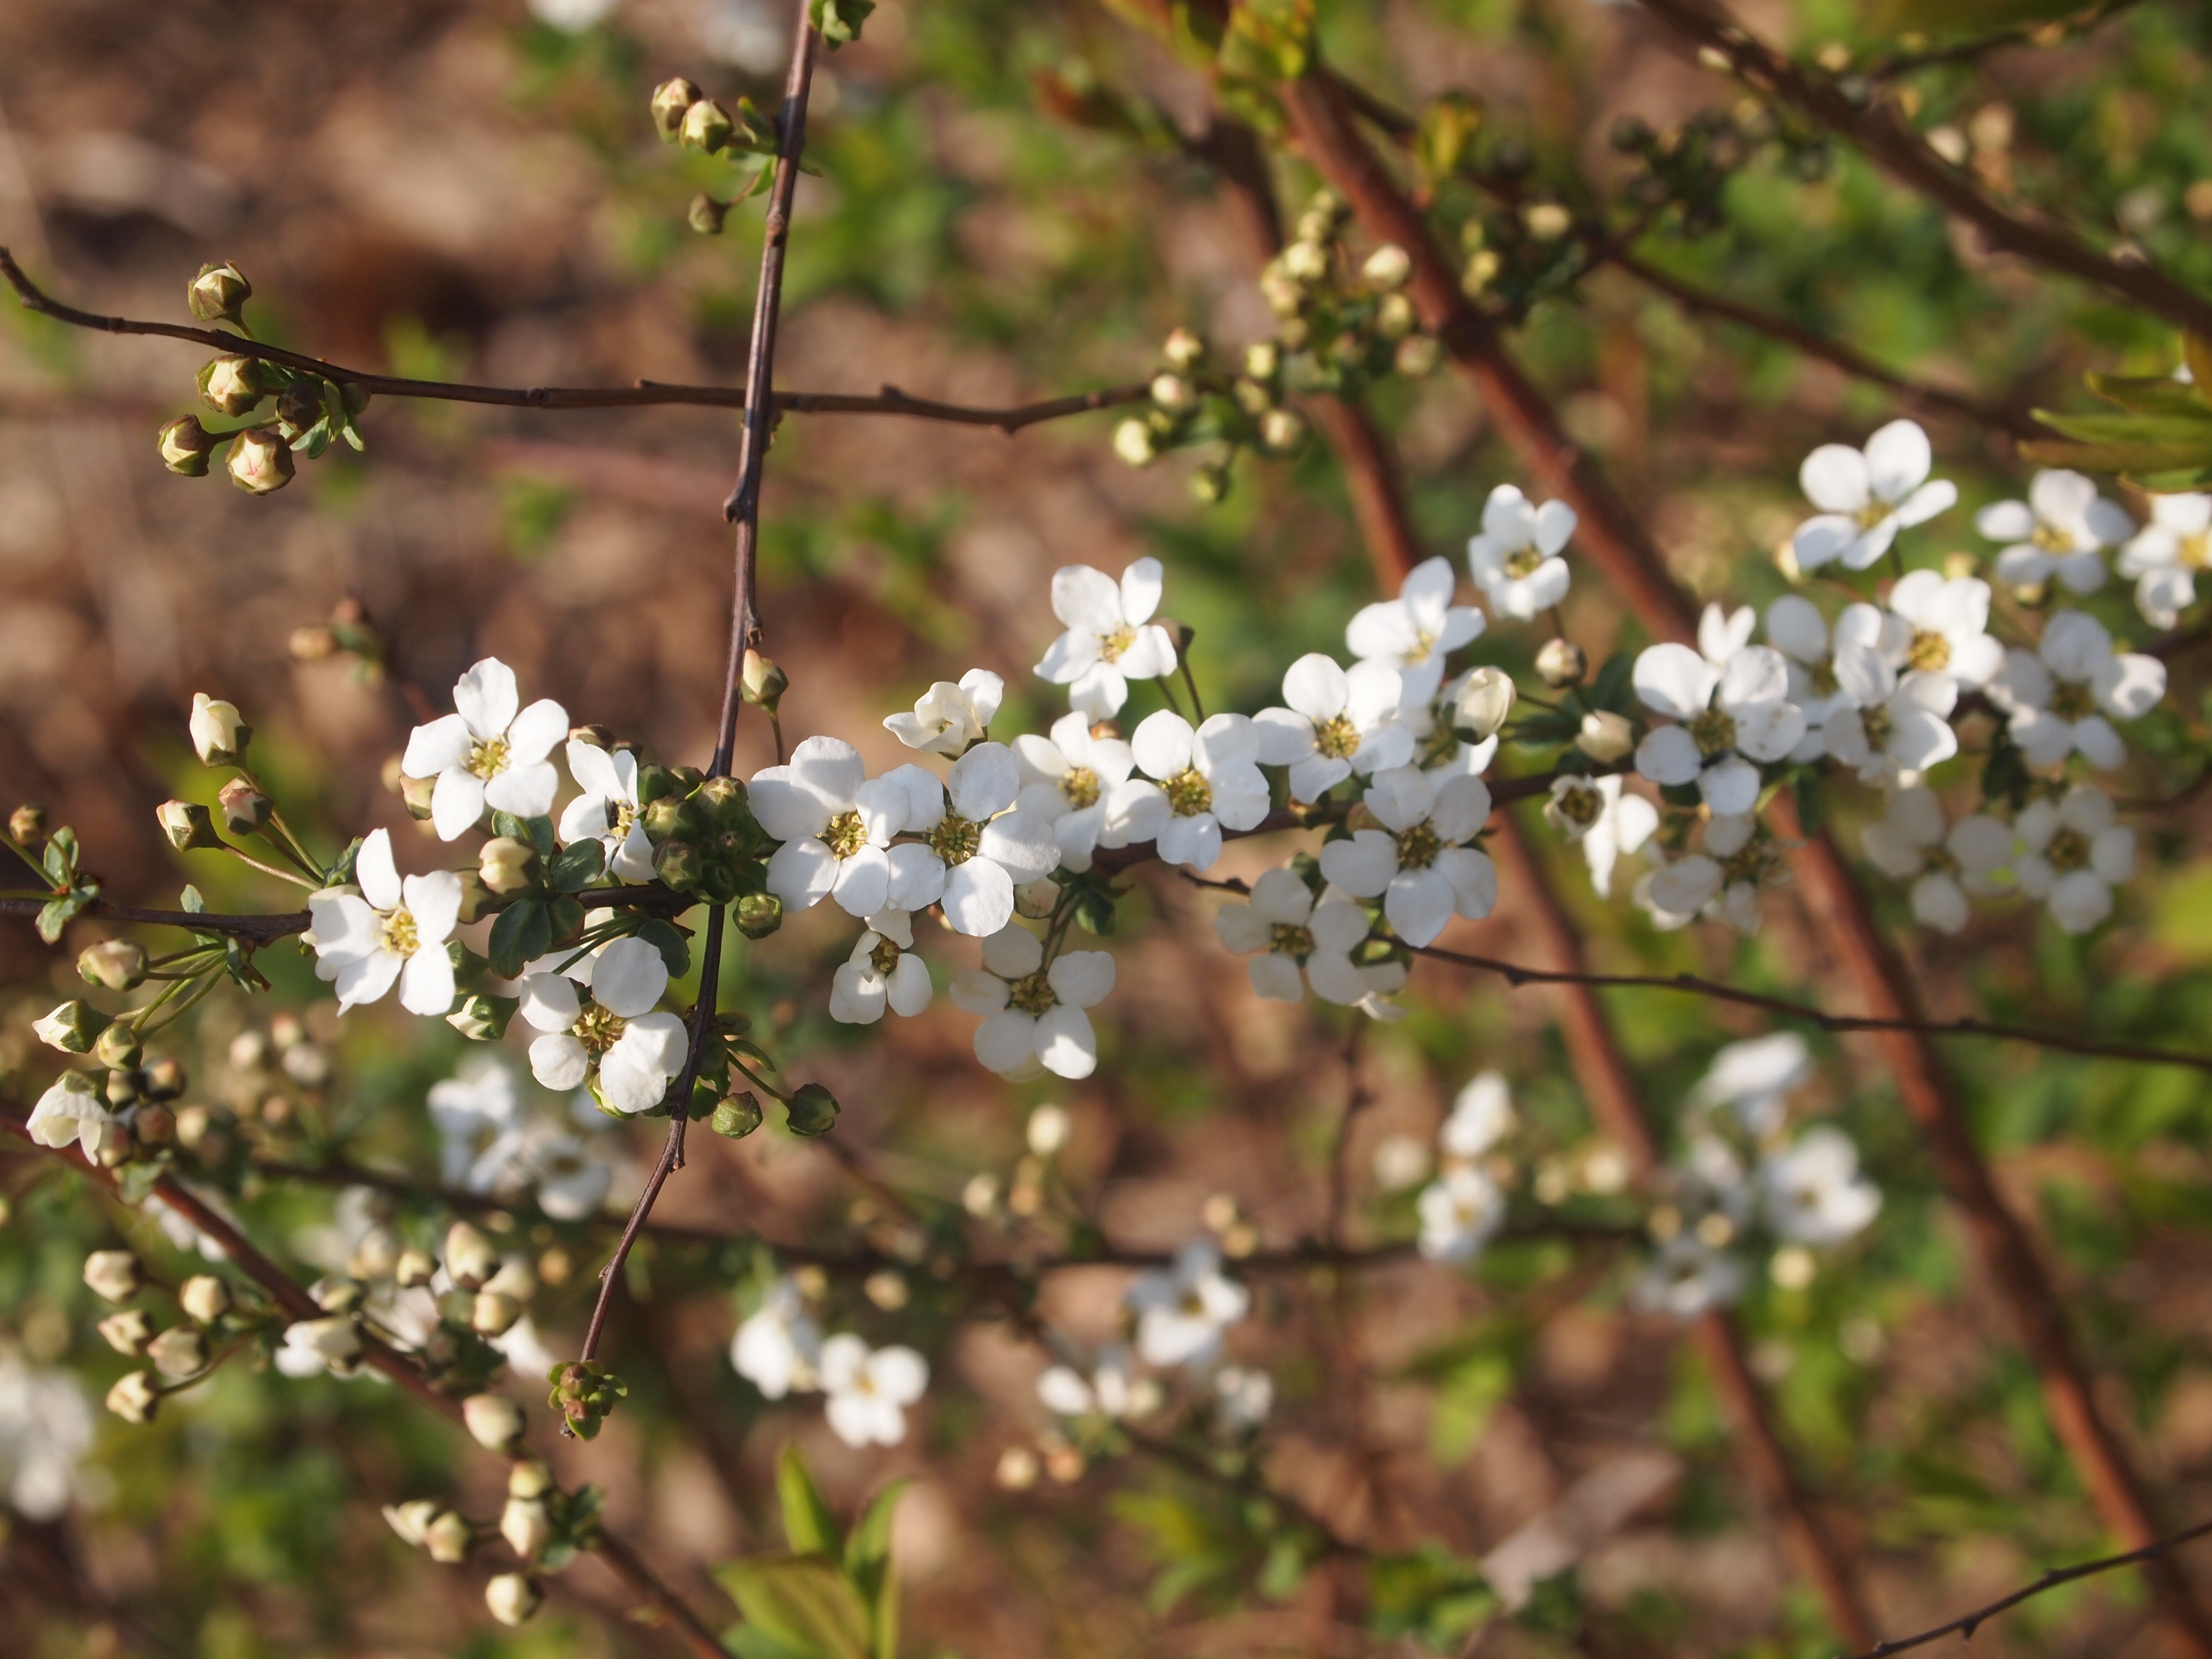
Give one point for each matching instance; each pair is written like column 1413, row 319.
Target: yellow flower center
column 1032, row 995
column 1188, row 793
column 846, row 834
column 1714, row 732
column 886, row 957
column 1581, row 806
column 1337, row 737
column 1877, row 723
column 2052, row 539
column 401, row 937
column 1521, row 562
column 1929, row 652
column 622, row 814
column 1418, row 847
column 1287, row 938
column 955, row 839
column 1872, row 514
column 2069, row 850
column 2194, row 552
column 1111, row 645
column 597, row 1029
column 2073, row 701
column 1080, row 785
column 488, row 759
column 1751, row 864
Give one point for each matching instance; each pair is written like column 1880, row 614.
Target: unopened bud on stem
column 129, row 1332
column 705, row 215
column 219, row 293
column 205, row 1297
column 114, row 1274
column 1183, row 350
column 180, row 1351
column 493, row 1420
column 114, row 964
column 72, row 1027
column 670, row 99
column 231, row 386
column 260, row 462
column 514, row 1597
column 27, row 825
column 220, row 733
column 1561, row 663
column 470, row 1258
column 186, row 445
column 762, row 683
column 135, row 1398
column 706, row 126
column 447, row 1537
column 508, row 865
column 244, row 809
column 188, row 824
column 1606, row 736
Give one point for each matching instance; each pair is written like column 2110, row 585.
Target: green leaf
column 663, row 937
column 2153, row 394
column 2193, row 428
column 189, row 900
column 802, row 1602
column 874, row 1574
column 523, row 933
column 838, row 22
column 579, row 866
column 807, row 1524
column 1268, row 41
column 2131, row 458
column 55, row 914
column 1447, row 134
column 506, row 824
column 2197, row 352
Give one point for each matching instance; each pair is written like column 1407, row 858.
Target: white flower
column 1065, row 779
column 1900, row 727
column 1338, row 723
column 570, row 17
column 71, row 1112
column 2057, row 697
column 1033, row 1016
column 314, row 1346
column 1733, row 701
column 1206, row 780
column 1111, row 1390
column 2166, row 557
column 1865, row 496
column 835, row 823
column 1812, row 1193
column 1182, row 1311
column 2073, row 855
column 1459, row 1211
column 486, row 755
column 974, row 851
column 1111, row 638
column 1755, row 1077
column 1911, row 844
column 870, row 1389
column 1939, row 626
column 634, row 1050
column 1400, row 1162
column 1243, row 1397
column 1607, row 822
column 1415, row 863
column 1796, row 628
column 571, row 1183
column 385, row 929
column 2060, row 530
column 1482, row 1115
column 478, row 1116
column 1722, row 882
column 1285, row 930
column 1688, row 1277
column 1413, row 632
column 778, row 1349
column 45, row 1430
column 1516, row 557
column 1439, row 750
column 608, row 811
column 883, row 972
column 949, row 720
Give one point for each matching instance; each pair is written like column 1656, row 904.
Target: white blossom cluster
column 780, row 1351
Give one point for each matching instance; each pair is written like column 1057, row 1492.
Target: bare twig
column 2041, row 32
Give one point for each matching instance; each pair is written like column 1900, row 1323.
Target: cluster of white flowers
column 1464, row 1205
column 780, row 1351
column 488, row 1143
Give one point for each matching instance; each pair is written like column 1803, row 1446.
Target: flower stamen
column 1714, row 732
column 955, row 840
column 1080, row 785
column 1337, row 737
column 1188, row 793
column 844, row 835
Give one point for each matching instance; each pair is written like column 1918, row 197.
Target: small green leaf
column 189, row 900
column 523, row 933
column 807, row 1522
column 506, row 824
column 838, row 22
column 55, row 914
column 579, row 866
column 874, row 1574
column 662, row 936
column 1268, row 41
column 802, row 1602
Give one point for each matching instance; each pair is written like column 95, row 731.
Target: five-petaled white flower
column 1283, row 929
column 1459, row 1212
column 1796, row 628
column 608, row 811
column 2058, row 696
column 1753, row 1078
column 384, row 929
column 950, row 719
column 1723, row 881
column 1416, row 864
column 1111, row 638
column 1338, row 722
column 2166, row 557
column 977, row 845
column 1516, row 557
column 1689, row 1277
column 1067, row 778
column 1733, row 701
column 777, row 1348
column 71, row 1113
column 1812, row 1192
column 2072, row 855
column 883, row 972
column 1897, row 725
column 835, row 823
column 1482, row 1115
column 1940, row 626
column 1605, row 820
column 571, row 1183
column 1033, row 1016
column 617, row 1034
column 479, row 1116
column 2060, row 531
column 487, row 754
column 1182, row 1310
column 1413, row 632
column 1944, row 865
column 870, row 1388
column 1865, row 496
column 1206, row 780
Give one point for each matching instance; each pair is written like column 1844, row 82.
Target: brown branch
column 2041, row 32
column 641, row 395
column 1877, row 128
column 274, row 926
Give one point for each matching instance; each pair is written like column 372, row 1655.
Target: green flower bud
column 1209, row 483
column 113, row 964
column 677, row 863
column 762, row 683
column 759, row 915
column 299, row 406
column 671, row 100
column 724, row 802
column 483, row 1018
column 117, row 1047
column 72, row 1028
column 27, row 825
column 529, row 1478
column 260, row 462
column 219, row 293
column 232, row 386
column 122, row 1089
column 812, row 1110
column 186, row 445
column 706, row 126
column 244, row 809
column 1394, row 317
column 673, row 817
column 737, row 1116
column 705, row 215
column 188, row 824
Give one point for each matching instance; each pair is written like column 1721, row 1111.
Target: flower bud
column 414, row 1268
column 122, row 1090
column 299, row 406
column 135, row 1398
column 205, row 1297
column 1606, row 737
column 1183, row 350
column 411, row 1519
column 1304, row 261
column 1417, row 356
column 231, row 386
column 27, row 825
column 1484, row 700
column 493, row 1420
column 1387, row 267
column 738, row 1115
column 447, row 1537
column 244, row 809
column 812, row 1110
column 184, row 445
column 759, row 915
column 260, row 462
column 108, row 1143
column 129, row 1332
column 705, row 215
column 113, row 964
column 114, row 1274
column 483, row 1018
column 1172, row 391
column 470, row 1258
column 1261, row 360
column 670, row 99
column 1133, row 442
column 492, row 1313
column 508, row 865
column 180, row 1351
column 528, row 1478
column 188, row 826
column 1048, row 1129
column 514, row 1597
column 678, row 864
column 162, row 1079
column 375, row 1255
column 1561, row 663
column 1394, row 317
column 726, row 803
column 762, row 683
column 1037, row 899
column 526, row 1526
column 219, row 732
column 72, row 1028
column 1282, row 430
column 416, row 792
column 219, row 292
column 706, row 126
column 117, row 1049
column 333, row 1340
